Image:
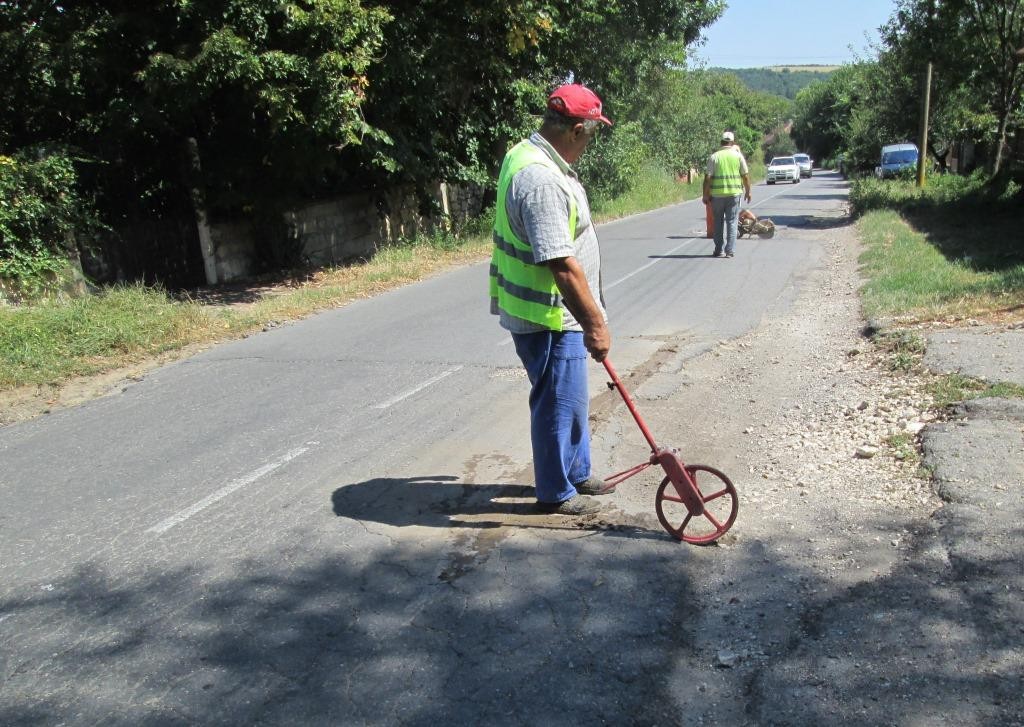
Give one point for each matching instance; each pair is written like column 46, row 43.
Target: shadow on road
column 440, row 501
column 333, row 623
column 809, row 221
column 348, row 627
column 819, row 197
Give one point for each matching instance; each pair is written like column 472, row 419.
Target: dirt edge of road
column 28, row 402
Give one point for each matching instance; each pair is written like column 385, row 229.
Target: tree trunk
column 75, row 284
column 1000, row 146
column 195, row 188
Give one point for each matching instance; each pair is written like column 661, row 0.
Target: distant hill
column 812, row 68
column 783, row 81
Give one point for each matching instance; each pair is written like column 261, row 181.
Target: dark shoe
column 728, row 254
column 575, row 505
column 716, row 254
column 594, row 486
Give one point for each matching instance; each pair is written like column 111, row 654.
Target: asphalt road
column 329, row 522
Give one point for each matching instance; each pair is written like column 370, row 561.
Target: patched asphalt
column 940, row 641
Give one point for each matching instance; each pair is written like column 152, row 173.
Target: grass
column 911, row 278
column 953, row 388
column 946, row 255
column 906, row 348
column 948, row 251
column 58, row 339
column 53, row 341
column 903, row 447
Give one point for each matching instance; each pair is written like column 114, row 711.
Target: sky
column 753, row 33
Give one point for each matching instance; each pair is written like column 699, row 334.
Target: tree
column 973, row 45
column 270, row 91
column 40, row 215
column 249, row 107
column 460, row 79
column 786, row 83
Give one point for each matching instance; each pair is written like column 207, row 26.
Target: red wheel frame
column 718, row 515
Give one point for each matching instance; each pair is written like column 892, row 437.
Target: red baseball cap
column 577, row 101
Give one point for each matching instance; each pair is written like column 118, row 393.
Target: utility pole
column 923, row 145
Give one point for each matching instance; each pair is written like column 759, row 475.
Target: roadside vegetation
column 976, row 85
column 57, row 338
column 947, row 252
column 161, row 118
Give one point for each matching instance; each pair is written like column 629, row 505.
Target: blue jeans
column 556, row 363
column 726, row 213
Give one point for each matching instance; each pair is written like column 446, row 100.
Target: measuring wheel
column 719, row 500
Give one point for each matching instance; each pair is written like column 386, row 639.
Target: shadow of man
column 441, row 501
column 429, row 500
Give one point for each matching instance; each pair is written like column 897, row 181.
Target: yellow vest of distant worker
column 727, row 181
column 522, row 287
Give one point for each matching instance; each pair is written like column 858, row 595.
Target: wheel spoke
column 671, row 498
column 716, row 495
column 709, row 516
column 685, row 523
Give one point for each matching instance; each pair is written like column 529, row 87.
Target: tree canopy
column 267, row 88
column 287, row 99
column 976, row 83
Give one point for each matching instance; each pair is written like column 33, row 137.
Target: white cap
column 728, row 136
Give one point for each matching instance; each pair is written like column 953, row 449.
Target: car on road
column 805, row 163
column 895, row 159
column 783, row 169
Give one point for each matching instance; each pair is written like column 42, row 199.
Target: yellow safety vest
column 728, row 180
column 524, row 288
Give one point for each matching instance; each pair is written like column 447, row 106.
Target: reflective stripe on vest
column 727, row 182
column 522, row 287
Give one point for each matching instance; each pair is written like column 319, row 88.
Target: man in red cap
column 545, row 284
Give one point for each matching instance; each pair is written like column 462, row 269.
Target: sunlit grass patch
column 60, row 338
column 911, row 278
column 954, row 388
column 653, row 188
column 903, row 447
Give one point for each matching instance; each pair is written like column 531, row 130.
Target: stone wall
column 348, row 228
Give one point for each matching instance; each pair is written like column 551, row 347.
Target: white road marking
column 164, row 525
column 673, row 250
column 652, row 262
column 395, row 399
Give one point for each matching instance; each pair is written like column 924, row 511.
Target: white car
column 783, row 169
column 805, row 163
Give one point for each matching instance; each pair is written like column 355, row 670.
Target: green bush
column 654, row 187
column 611, row 165
column 871, row 193
column 40, row 213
